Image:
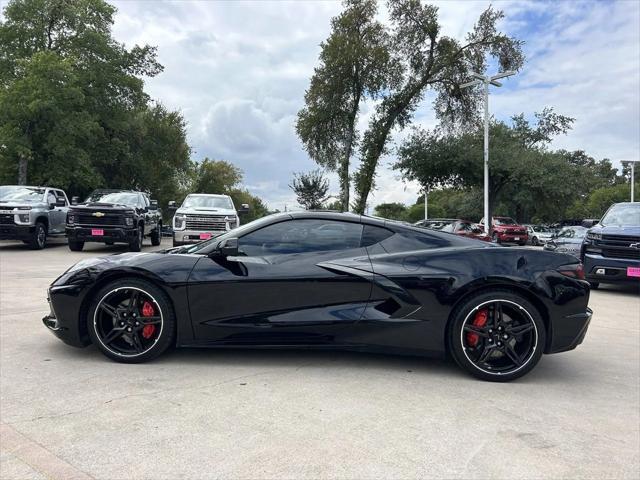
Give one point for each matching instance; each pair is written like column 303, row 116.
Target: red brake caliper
column 148, row 311
column 480, row 320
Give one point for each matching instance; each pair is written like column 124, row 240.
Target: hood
column 616, row 230
column 97, row 206
column 207, row 211
column 8, row 205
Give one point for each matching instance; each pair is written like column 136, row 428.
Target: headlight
column 594, row 236
column 128, row 221
column 179, row 222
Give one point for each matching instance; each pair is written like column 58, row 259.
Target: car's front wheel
column 156, row 235
column 135, row 245
column 497, row 336
column 535, row 242
column 131, row 321
column 38, row 238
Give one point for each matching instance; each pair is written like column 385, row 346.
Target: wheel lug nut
column 499, row 344
column 505, row 336
column 129, row 329
column 137, row 323
column 490, row 330
column 491, row 340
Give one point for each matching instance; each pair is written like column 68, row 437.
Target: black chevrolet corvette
column 332, row 281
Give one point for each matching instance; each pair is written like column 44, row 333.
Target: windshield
column 572, row 232
column 235, row 233
column 122, row 198
column 22, row 194
column 622, row 214
column 206, row 201
column 504, row 221
column 540, row 229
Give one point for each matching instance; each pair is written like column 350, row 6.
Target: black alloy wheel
column 38, row 238
column 136, row 244
column 497, row 336
column 131, row 321
column 156, row 235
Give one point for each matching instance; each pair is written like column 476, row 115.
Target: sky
column 238, row 72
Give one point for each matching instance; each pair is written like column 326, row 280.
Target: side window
column 61, row 196
column 372, row 235
column 51, row 197
column 301, row 236
column 145, row 201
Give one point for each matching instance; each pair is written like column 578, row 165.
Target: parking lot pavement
column 71, row 413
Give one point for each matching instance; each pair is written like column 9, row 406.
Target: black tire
column 135, row 245
column 594, row 285
column 109, row 242
column 522, row 244
column 518, row 314
column 38, row 239
column 76, row 246
column 535, row 242
column 123, row 346
column 156, row 235
column 177, row 244
column 495, row 238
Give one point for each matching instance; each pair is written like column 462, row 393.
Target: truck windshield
column 623, row 214
column 122, row 198
column 504, row 221
column 22, row 194
column 206, row 201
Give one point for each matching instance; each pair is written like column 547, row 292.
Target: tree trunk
column 344, row 184
column 22, row 170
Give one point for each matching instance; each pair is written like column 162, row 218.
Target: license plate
column 516, row 238
column 205, row 236
column 97, row 232
column 633, row 272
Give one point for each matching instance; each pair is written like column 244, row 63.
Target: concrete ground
column 70, row 413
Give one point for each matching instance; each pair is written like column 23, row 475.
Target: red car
column 468, row 229
column 507, row 230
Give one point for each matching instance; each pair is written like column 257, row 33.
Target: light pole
column 486, row 80
column 426, row 202
column 633, row 177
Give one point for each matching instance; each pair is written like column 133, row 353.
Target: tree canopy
column 311, row 189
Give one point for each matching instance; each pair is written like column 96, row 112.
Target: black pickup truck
column 110, row 216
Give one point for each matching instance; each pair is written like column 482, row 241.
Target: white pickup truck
column 203, row 216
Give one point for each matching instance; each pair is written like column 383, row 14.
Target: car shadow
column 623, row 288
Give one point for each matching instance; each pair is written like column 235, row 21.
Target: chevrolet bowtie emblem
column 635, row 245
column 98, row 214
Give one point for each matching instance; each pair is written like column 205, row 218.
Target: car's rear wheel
column 535, row 241
column 497, row 336
column 495, row 238
column 38, row 238
column 131, row 321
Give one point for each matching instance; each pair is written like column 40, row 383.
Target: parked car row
column 503, row 229
column 34, row 214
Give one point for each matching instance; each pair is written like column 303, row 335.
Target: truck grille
column 206, row 223
column 107, row 220
column 6, row 219
column 631, row 253
column 623, row 240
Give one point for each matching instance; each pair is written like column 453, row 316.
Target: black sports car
column 330, row 280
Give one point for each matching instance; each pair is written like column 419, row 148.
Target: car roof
column 220, row 195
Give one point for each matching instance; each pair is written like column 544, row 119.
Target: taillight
column 575, row 270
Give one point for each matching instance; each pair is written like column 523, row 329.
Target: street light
column 633, row 177
column 486, row 81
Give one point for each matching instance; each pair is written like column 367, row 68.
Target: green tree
column 431, row 60
column 392, row 211
column 214, row 176
column 72, row 95
column 527, row 180
column 355, row 64
column 311, row 189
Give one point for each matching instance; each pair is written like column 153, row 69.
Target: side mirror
column 153, row 205
column 244, row 208
column 228, row 247
column 74, row 200
column 172, row 205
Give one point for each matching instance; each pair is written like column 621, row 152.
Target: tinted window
column 301, row 236
column 61, row 196
column 372, row 235
column 122, row 198
column 623, row 214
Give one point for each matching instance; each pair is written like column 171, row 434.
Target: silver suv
column 202, row 216
column 32, row 214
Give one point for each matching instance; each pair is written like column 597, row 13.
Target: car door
column 60, row 212
column 284, row 287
